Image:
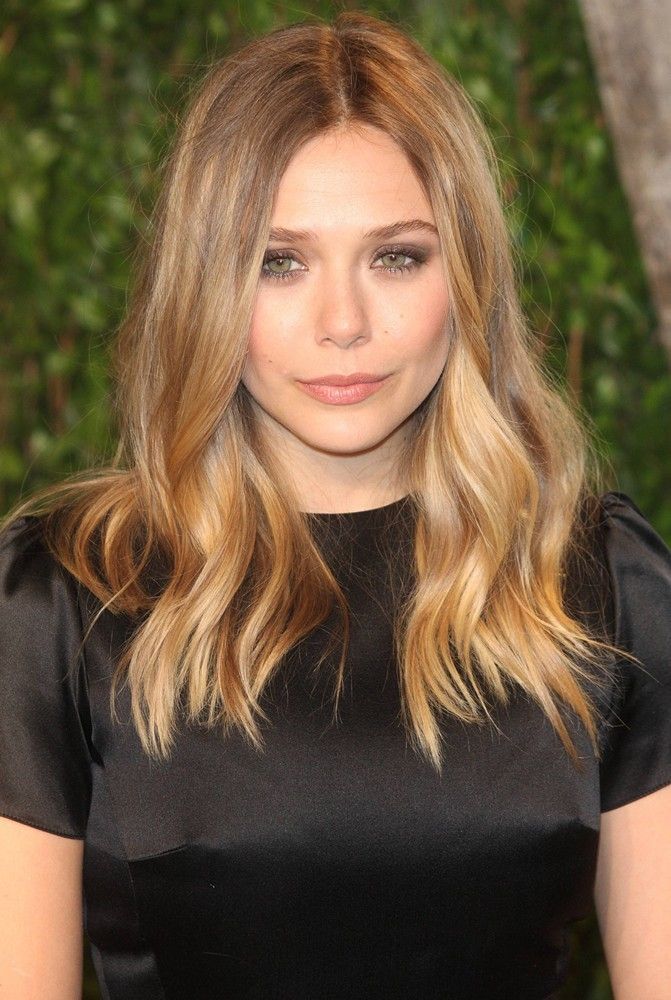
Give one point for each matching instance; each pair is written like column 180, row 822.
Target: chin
column 346, row 443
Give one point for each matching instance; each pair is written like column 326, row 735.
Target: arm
column 633, row 896
column 41, row 928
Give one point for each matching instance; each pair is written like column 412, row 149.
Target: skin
column 344, row 309
column 342, row 312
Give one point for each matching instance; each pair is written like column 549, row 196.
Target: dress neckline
column 360, row 515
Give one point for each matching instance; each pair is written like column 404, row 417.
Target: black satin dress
column 336, row 864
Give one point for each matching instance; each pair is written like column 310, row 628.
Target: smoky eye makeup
column 404, row 258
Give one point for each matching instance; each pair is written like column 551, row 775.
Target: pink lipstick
column 343, row 389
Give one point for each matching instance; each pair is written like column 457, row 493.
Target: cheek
column 434, row 326
column 268, row 350
column 419, row 330
column 424, row 345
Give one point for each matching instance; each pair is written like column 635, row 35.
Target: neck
column 337, row 483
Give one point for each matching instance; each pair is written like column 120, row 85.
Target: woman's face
column 336, row 299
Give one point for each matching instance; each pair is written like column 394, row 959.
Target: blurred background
column 90, row 92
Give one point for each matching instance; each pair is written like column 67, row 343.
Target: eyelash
column 417, row 257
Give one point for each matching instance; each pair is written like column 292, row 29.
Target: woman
column 347, row 679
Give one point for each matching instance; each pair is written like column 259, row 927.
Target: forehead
column 347, row 177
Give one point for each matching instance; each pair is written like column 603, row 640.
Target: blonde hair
column 498, row 467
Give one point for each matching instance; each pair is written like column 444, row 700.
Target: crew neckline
column 358, row 514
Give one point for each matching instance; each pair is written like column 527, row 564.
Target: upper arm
column 633, row 896
column 45, row 772
column 41, row 926
column 632, row 889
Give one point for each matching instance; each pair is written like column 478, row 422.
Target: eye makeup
column 415, row 255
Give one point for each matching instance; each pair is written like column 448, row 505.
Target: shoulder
column 23, row 540
column 639, row 565
column 622, row 518
column 637, row 749
column 45, row 727
column 41, row 620
column 40, row 602
column 618, row 581
column 622, row 565
column 28, row 567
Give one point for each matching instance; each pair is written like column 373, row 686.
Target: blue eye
column 414, row 258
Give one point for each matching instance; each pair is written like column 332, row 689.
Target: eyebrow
column 388, row 232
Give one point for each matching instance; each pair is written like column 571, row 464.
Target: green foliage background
column 90, row 92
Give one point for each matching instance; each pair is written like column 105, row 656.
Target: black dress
column 336, row 864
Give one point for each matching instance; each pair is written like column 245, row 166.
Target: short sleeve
column 637, row 748
column 45, row 764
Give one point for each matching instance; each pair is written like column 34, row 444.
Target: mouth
column 357, row 378
column 343, row 389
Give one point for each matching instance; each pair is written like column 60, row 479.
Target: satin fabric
column 335, row 863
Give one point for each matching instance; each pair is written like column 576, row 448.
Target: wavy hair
column 498, row 468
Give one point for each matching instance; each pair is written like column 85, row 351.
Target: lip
column 343, row 392
column 357, row 378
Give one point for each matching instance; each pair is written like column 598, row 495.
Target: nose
column 342, row 315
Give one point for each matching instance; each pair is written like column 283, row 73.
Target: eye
column 278, row 257
column 400, row 260
column 396, row 254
